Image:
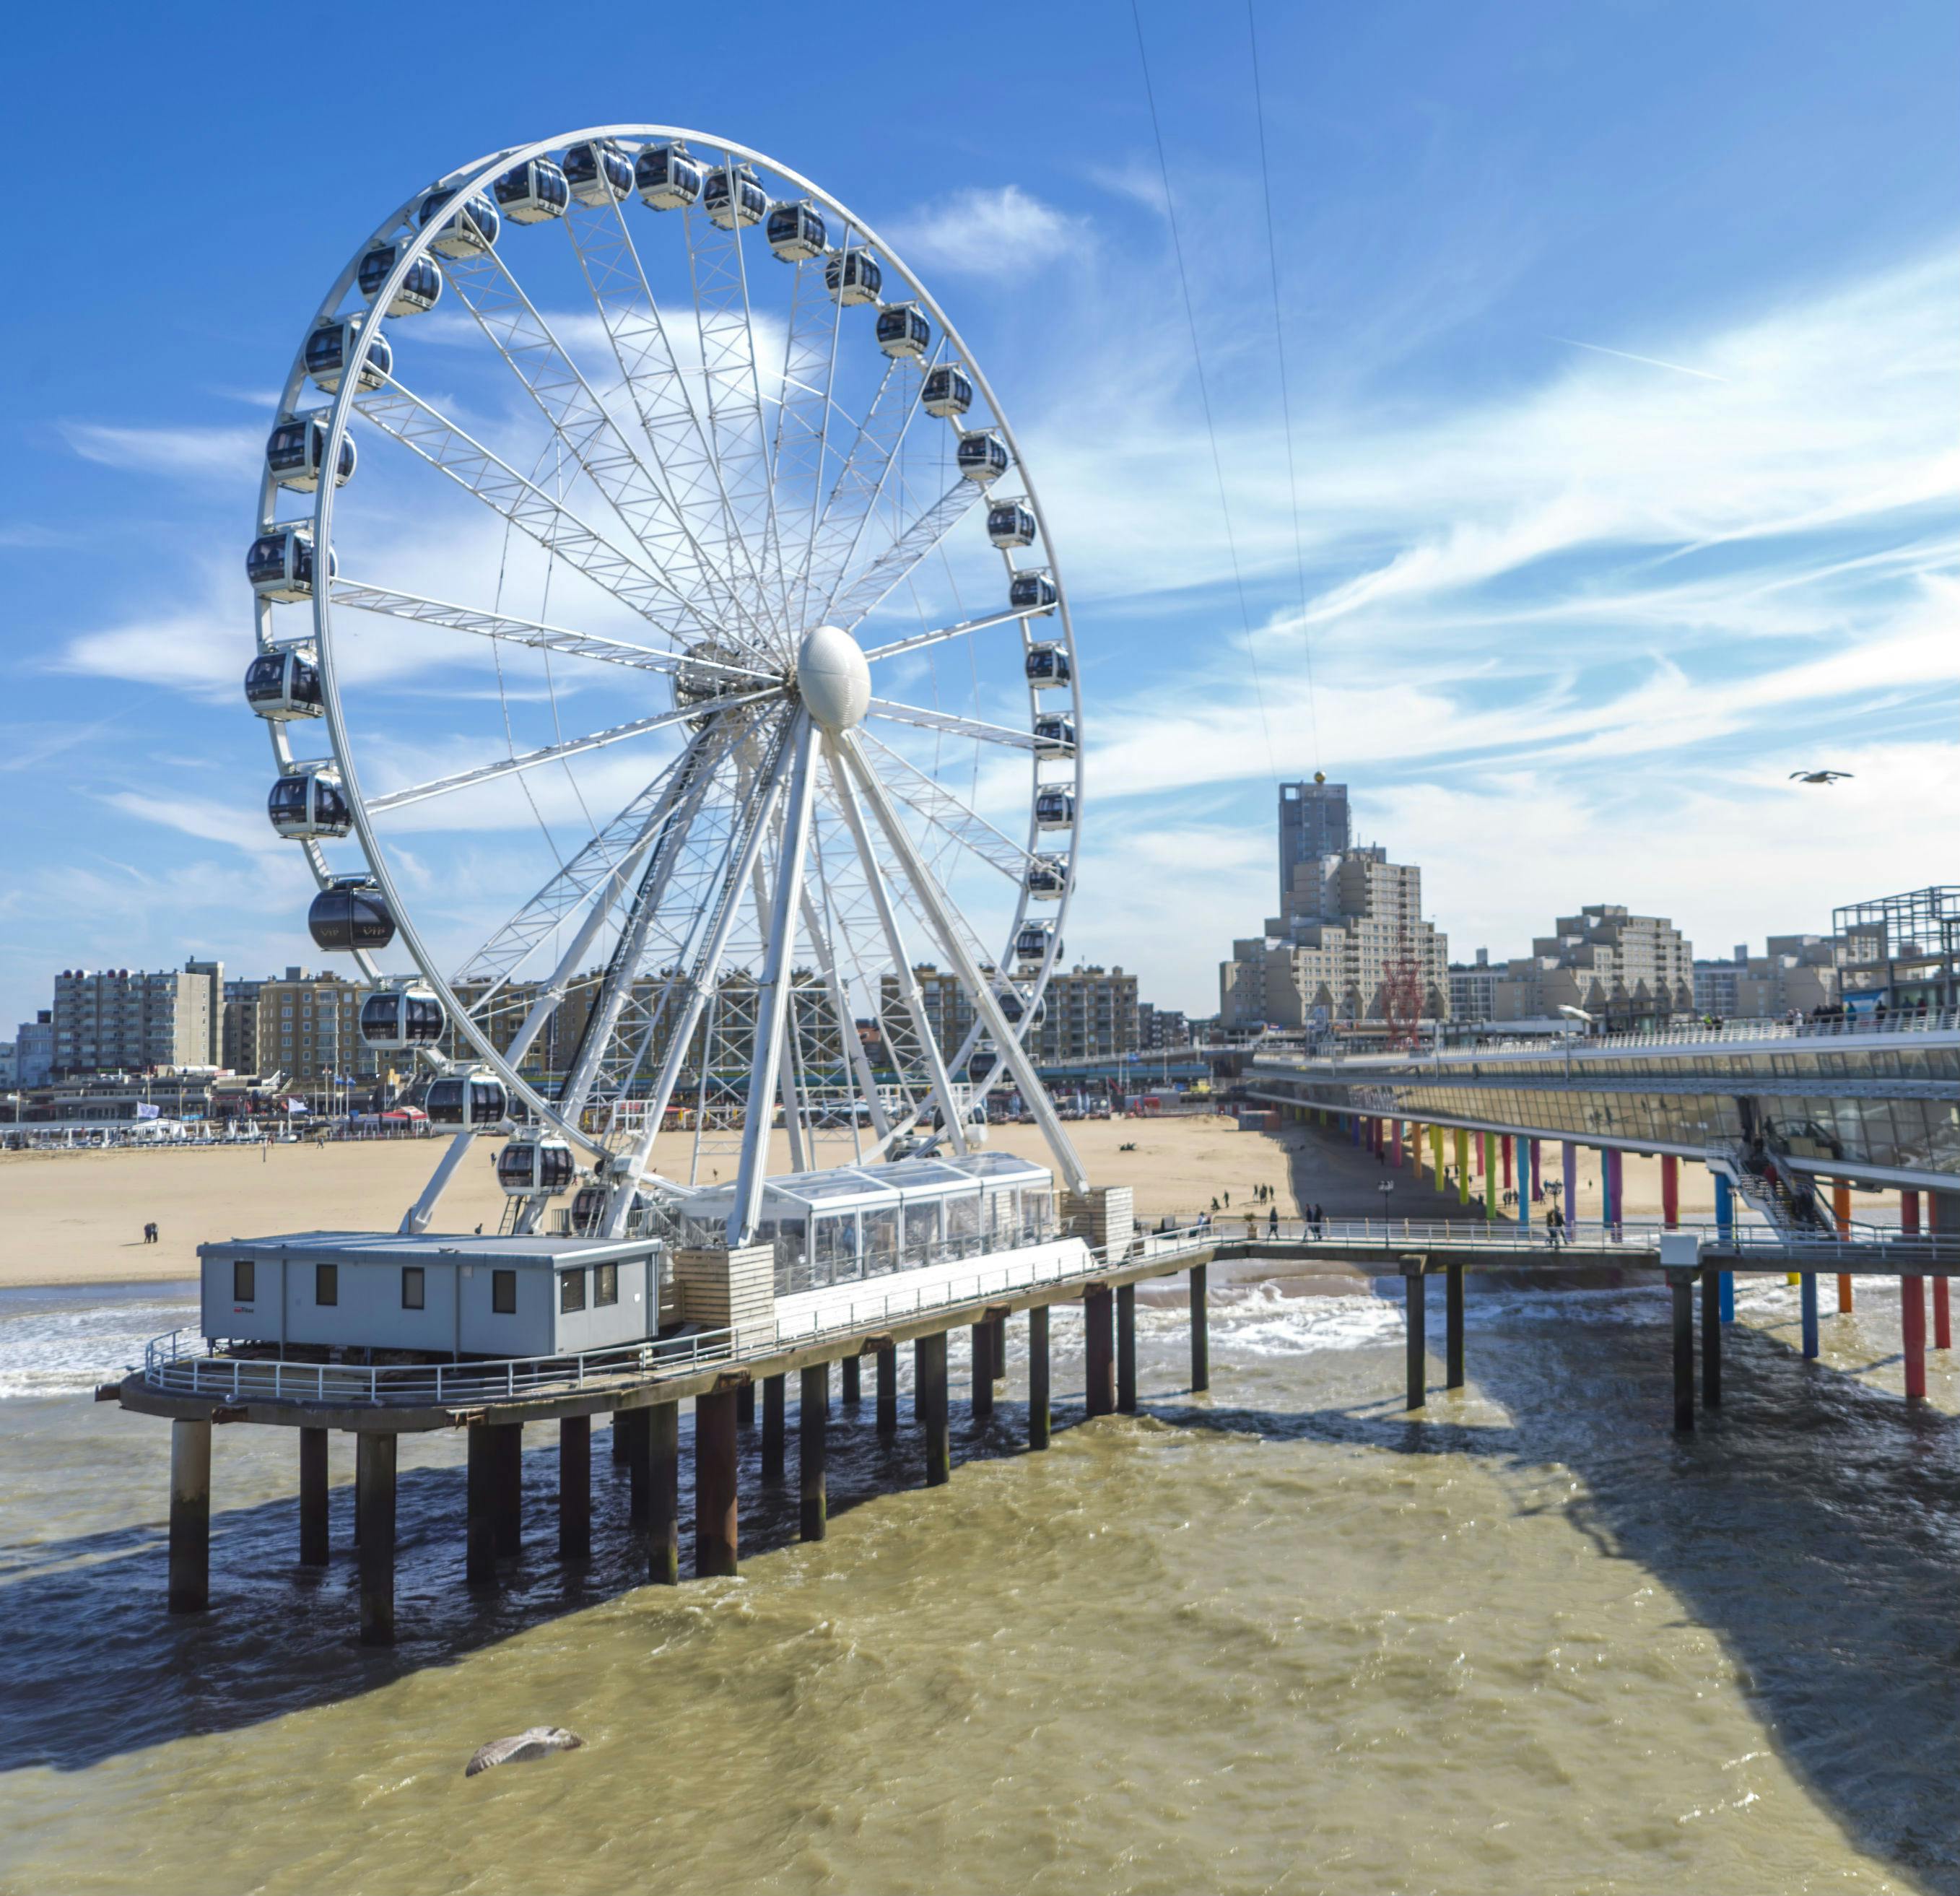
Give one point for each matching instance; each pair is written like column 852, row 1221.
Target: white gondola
column 350, row 913
column 418, row 290
column 401, row 1016
column 468, row 230
column 732, row 198
column 1054, row 807
column 529, row 1167
column 983, row 455
column 1055, row 736
column 1031, row 942
column 306, row 804
column 903, row 330
column 796, row 231
column 533, row 192
column 1032, row 591
column 280, row 563
column 1010, row 524
column 296, row 448
column 1047, row 667
column 334, row 343
column 1047, row 878
column 468, row 1097
column 853, row 276
column 948, row 392
column 283, row 685
column 599, row 172
column 669, row 177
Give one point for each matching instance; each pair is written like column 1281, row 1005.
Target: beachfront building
column 122, row 1019
column 1314, row 823
column 307, row 1026
column 34, row 1049
column 1473, row 988
column 1623, row 969
column 1161, row 1029
column 1087, row 1012
column 1715, row 984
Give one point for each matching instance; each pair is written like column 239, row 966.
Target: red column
column 1912, row 1322
column 1908, row 1214
column 1396, row 1130
column 1670, row 1190
column 1477, row 1140
column 1505, row 1142
column 1841, row 1209
column 1942, row 1320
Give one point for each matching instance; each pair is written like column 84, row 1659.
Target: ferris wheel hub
column 833, row 678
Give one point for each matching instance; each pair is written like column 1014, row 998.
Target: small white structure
column 434, row 1294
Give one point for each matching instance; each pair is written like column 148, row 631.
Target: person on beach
column 150, row 1233
column 1273, row 1223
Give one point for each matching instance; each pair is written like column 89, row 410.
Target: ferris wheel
column 665, row 658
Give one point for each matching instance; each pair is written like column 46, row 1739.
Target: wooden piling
column 1415, row 1284
column 716, row 1544
column 929, row 1398
column 574, row 1487
column 1201, row 1333
column 773, row 1399
column 374, row 1502
column 1453, row 1327
column 1126, row 1348
column 1681, row 1284
column 1711, row 1338
column 888, row 1389
column 813, row 1450
column 663, row 1495
column 851, row 1367
column 480, row 1493
column 190, row 1516
column 1038, row 1385
column 1099, row 1311
column 981, row 1335
column 1912, row 1328
column 313, row 1547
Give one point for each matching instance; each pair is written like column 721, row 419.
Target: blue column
column 1728, row 1296
column 1725, row 1227
column 1809, row 1293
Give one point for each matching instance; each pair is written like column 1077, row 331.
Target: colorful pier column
column 1462, row 1166
column 1436, row 1153
column 1670, row 1190
column 1395, row 1143
column 1537, row 1181
column 1488, row 1145
column 1840, row 1213
column 1725, row 1232
column 1807, row 1292
column 1912, row 1328
column 1942, row 1317
column 1504, row 1149
column 1527, row 1168
column 1569, row 1159
column 1612, row 1179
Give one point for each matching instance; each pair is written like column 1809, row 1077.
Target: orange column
column 1841, row 1209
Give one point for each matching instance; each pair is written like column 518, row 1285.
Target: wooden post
column 1201, row 1333
column 772, row 1428
column 313, row 1497
column 1415, row 1284
column 813, row 1446
column 1681, row 1283
column 1126, row 1348
column 374, row 1502
column 888, row 1389
column 1452, row 1326
column 190, row 1516
column 480, row 1498
column 982, row 1337
column 716, row 1546
column 1038, row 1393
column 1912, row 1324
column 929, row 1398
column 853, row 1395
column 745, row 1406
column 574, row 1487
column 510, row 1487
column 1099, row 1311
column 1711, row 1338
column 664, row 1503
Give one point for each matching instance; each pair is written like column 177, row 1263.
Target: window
column 326, row 1283
column 411, row 1287
column 571, row 1290
column 504, row 1293
column 605, row 1285
column 244, row 1279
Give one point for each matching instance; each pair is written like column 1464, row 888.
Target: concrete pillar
column 1453, row 1315
column 1711, row 1338
column 1200, row 1332
column 1670, row 1191
column 1098, row 1314
column 929, row 1398
column 745, row 1406
column 888, row 1390
column 313, row 1497
column 1912, row 1328
column 982, row 1336
column 510, row 1487
column 1807, row 1297
column 374, row 1502
column 1681, row 1283
column 716, row 1542
column 618, row 1440
column 813, row 1450
column 1126, row 1348
column 190, row 1516
column 997, row 1353
column 852, row 1367
column 1416, row 1285
column 663, row 1502
column 574, row 1487
column 480, row 1494
column 772, row 1428
column 1038, row 1394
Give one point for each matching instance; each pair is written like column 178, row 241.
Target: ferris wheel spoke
column 418, row 610
column 856, row 597
column 919, row 641
column 426, row 432
column 944, row 720
column 948, row 814
column 803, row 420
column 820, row 930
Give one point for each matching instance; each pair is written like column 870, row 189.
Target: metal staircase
column 1787, row 1199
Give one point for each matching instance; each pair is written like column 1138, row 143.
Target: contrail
column 1652, row 361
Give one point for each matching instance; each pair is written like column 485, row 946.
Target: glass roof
column 848, row 1186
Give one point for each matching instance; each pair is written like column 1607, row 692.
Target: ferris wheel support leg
column 895, row 946
column 1004, row 1039
column 772, row 1001
column 416, row 1218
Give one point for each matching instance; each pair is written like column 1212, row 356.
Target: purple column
column 1571, row 1153
column 1615, row 1179
column 1537, row 1188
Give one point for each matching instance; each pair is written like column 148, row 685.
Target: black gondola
column 1047, row 667
column 731, row 196
column 669, row 177
column 305, row 805
column 1054, row 806
column 296, row 449
column 334, row 342
column 983, row 455
column 468, row 230
column 466, row 1099
column 533, row 1167
column 399, row 1019
column 1047, row 878
column 420, row 287
column 796, row 231
column 350, row 913
column 1010, row 524
column 1031, row 942
column 948, row 391
column 598, row 172
column 279, row 563
column 280, row 686
column 1054, row 736
column 533, row 192
column 853, row 276
column 1032, row 591
column 903, row 330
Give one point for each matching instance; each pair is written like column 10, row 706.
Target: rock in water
column 535, row 1743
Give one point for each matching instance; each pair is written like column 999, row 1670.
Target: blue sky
column 1625, row 369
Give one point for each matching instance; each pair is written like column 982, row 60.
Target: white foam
column 54, row 1343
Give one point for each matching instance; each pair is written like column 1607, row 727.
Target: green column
column 1436, row 1153
column 1490, row 1174
column 1462, row 1166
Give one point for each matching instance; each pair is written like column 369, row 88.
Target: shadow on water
column 92, row 1667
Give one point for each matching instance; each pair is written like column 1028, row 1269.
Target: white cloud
column 219, row 452
column 977, row 230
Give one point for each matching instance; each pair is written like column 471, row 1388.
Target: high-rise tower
column 1313, row 823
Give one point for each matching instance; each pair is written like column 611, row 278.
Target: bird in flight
column 1817, row 776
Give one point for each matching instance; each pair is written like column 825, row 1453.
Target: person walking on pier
column 1273, row 1222
column 1554, row 1227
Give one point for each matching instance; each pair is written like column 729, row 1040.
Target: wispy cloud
column 976, row 230
column 225, row 453
column 1627, row 355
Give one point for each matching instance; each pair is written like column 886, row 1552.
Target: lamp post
column 1385, row 1187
